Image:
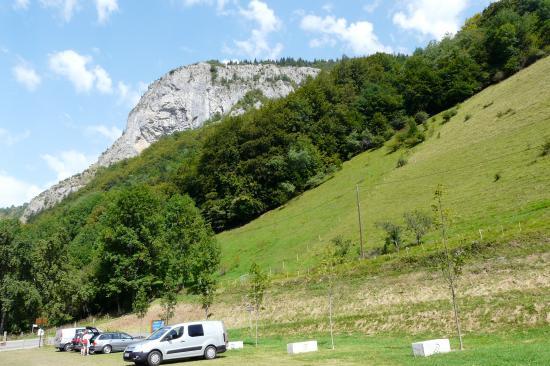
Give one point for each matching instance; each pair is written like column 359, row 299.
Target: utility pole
column 360, row 224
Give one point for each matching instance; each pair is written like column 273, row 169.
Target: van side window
column 195, row 330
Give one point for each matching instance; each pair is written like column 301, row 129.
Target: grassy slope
column 462, row 155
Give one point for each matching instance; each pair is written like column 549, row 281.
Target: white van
column 64, row 337
column 197, row 339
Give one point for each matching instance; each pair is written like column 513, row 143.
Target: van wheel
column 107, row 349
column 67, row 347
column 154, row 358
column 210, row 353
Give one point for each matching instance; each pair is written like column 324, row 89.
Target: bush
column 467, row 117
column 447, row 115
column 394, row 235
column 402, row 161
column 342, row 248
column 399, row 121
column 421, row 117
column 545, row 150
column 497, row 177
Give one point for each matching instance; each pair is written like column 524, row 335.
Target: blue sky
column 71, row 70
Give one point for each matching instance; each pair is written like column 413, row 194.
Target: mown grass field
column 497, row 133
column 516, row 348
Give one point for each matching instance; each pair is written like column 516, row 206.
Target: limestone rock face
column 183, row 99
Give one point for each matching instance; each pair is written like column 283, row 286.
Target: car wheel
column 67, row 347
column 210, row 353
column 154, row 358
column 107, row 349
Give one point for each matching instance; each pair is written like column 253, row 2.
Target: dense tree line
column 96, row 255
column 145, row 224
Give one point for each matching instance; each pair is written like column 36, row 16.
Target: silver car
column 112, row 342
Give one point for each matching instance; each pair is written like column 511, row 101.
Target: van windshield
column 159, row 333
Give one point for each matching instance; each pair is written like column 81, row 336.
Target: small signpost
column 156, row 325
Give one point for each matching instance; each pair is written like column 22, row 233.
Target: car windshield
column 159, row 333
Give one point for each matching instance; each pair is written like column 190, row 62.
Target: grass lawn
column 528, row 347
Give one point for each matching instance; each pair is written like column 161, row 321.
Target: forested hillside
column 146, row 224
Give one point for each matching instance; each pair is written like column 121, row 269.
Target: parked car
column 112, row 342
column 77, row 340
column 206, row 339
column 64, row 337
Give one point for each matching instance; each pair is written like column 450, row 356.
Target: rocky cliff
column 183, row 99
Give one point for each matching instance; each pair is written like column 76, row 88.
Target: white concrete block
column 235, row 345
column 431, row 347
column 301, row 347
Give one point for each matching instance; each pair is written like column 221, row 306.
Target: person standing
column 86, row 341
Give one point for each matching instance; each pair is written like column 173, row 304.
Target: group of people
column 85, row 339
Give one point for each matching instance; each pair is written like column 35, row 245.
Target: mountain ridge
column 184, row 98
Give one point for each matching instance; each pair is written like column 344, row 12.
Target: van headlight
column 137, row 348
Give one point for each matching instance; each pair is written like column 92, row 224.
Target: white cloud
column 26, row 75
column 67, row 163
column 130, row 95
column 75, row 67
column 21, row 4
column 328, row 7
column 9, row 139
column 432, row 18
column 257, row 44
column 14, row 191
column 359, row 37
column 105, row 8
column 111, row 133
column 372, row 6
column 66, row 8
column 220, row 4
column 103, row 82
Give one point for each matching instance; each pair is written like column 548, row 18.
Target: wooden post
column 360, row 224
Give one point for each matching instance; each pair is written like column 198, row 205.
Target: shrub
column 399, row 121
column 497, row 176
column 419, row 223
column 545, row 150
column 394, row 235
column 508, row 111
column 421, row 117
column 448, row 114
column 342, row 248
column 467, row 117
column 402, row 161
